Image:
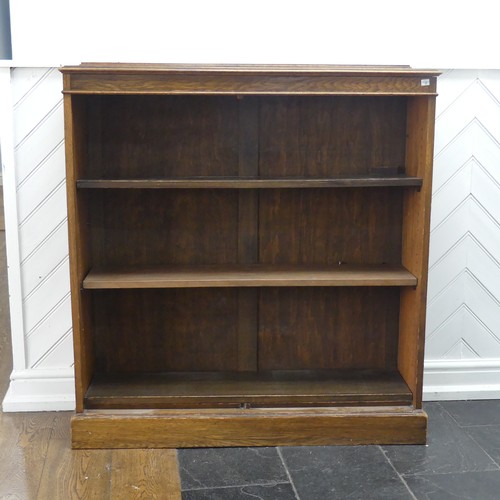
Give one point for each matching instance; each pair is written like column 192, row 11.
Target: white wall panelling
column 463, row 316
column 463, row 320
column 42, row 378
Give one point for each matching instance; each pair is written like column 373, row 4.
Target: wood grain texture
column 249, row 275
column 24, row 441
column 244, row 83
column 145, row 474
column 321, row 226
column 94, row 474
column 250, row 183
column 163, row 137
column 212, row 137
column 75, row 140
column 248, row 230
column 173, row 330
column 293, row 427
column 415, row 250
column 331, row 136
column 328, row 328
column 151, row 228
column 75, row 474
column 247, row 389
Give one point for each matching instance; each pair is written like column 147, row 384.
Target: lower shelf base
column 254, row 427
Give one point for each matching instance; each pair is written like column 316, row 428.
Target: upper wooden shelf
column 254, row 275
column 109, row 78
column 249, row 183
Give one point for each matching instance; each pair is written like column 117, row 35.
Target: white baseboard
column 446, row 380
column 40, row 390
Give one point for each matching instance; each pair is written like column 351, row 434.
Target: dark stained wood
column 263, row 389
column 254, row 427
column 247, row 83
column 328, row 328
column 165, row 137
column 142, row 227
column 185, row 182
column 249, row 275
column 321, row 226
column 248, row 226
column 249, row 183
column 331, row 136
column 166, row 330
column 415, row 251
column 248, row 319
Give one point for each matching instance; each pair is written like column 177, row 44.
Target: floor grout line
column 464, row 429
column 288, row 473
column 225, row 487
column 403, row 480
column 486, row 453
column 449, row 473
column 448, row 413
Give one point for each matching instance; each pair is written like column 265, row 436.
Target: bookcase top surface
column 257, row 69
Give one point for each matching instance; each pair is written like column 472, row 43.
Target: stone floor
column 460, row 461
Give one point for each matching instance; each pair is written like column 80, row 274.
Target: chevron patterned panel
column 41, row 195
column 463, row 319
column 464, row 279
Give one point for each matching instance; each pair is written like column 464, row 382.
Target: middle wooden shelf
column 248, row 275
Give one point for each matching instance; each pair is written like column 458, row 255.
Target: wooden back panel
column 162, row 136
column 149, row 227
column 166, row 330
column 324, row 226
column 328, row 328
column 328, row 136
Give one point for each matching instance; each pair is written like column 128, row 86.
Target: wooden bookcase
column 248, row 249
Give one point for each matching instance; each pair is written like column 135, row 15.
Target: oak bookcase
column 248, row 249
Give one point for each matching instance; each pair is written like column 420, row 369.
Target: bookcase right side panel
column 415, row 242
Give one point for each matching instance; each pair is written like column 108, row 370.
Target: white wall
column 32, row 143
column 463, row 324
column 428, row 33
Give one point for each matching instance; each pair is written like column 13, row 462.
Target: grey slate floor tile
column 215, row 467
column 282, row 491
column 458, row 463
column 465, row 486
column 488, row 437
column 474, row 412
column 450, row 449
column 343, row 472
